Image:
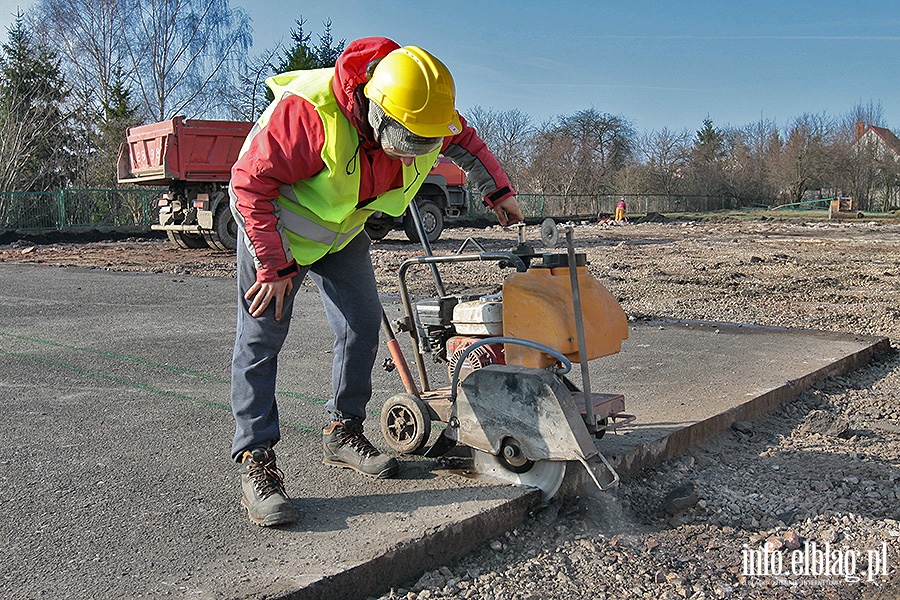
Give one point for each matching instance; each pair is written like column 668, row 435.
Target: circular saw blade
column 549, row 233
column 546, row 475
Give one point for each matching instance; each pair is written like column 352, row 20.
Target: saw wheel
column 512, row 467
column 405, row 423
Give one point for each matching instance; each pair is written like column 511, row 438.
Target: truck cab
column 442, row 195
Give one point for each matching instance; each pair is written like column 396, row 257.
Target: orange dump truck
column 193, row 159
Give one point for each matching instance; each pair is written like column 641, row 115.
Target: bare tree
column 856, row 164
column 508, row 135
column 667, row 155
column 633, row 178
column 889, row 177
column 249, row 98
column 603, row 144
column 552, row 168
column 749, row 153
column 88, row 37
column 184, row 53
column 581, row 152
column 803, row 162
column 23, row 130
column 871, row 113
column 857, row 167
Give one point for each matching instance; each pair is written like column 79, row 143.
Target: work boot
column 346, row 446
column 262, row 487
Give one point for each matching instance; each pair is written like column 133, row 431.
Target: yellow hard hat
column 415, row 89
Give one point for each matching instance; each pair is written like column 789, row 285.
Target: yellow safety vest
column 321, row 214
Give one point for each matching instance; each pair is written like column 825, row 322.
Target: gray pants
column 346, row 282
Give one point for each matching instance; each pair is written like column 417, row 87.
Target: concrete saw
column 507, row 355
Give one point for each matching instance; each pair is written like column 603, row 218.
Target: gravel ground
column 813, row 485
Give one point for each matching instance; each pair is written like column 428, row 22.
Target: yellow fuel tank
column 537, row 306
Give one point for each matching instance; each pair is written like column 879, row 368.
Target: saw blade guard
column 531, row 406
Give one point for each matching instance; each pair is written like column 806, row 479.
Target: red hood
column 350, row 73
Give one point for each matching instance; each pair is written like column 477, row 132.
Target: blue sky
column 658, row 64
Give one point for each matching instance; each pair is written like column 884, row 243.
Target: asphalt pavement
column 116, row 477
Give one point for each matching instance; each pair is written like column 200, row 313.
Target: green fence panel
column 78, row 208
column 137, row 207
column 110, row 207
column 29, row 210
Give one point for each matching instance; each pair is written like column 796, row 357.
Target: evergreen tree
column 709, row 143
column 299, row 56
column 303, row 55
column 119, row 113
column 327, row 51
column 35, row 131
column 707, row 160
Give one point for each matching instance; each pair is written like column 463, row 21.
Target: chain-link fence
column 78, row 208
column 137, row 207
column 560, row 205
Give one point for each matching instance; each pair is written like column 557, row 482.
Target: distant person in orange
column 620, row 212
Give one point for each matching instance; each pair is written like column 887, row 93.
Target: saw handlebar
column 508, row 258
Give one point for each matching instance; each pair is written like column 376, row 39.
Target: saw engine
column 454, row 323
column 507, row 357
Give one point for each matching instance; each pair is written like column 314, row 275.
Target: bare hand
column 508, row 211
column 261, row 294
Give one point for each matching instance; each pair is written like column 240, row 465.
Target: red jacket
column 288, row 149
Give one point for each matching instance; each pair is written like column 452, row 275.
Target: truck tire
column 432, row 221
column 187, row 241
column 224, row 233
column 377, row 231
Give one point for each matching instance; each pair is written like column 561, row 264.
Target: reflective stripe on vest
column 311, row 230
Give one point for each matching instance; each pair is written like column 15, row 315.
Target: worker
column 621, row 217
column 334, row 146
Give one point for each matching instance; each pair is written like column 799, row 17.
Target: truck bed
column 181, row 150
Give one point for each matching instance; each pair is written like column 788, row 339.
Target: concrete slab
column 688, row 381
column 115, row 473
